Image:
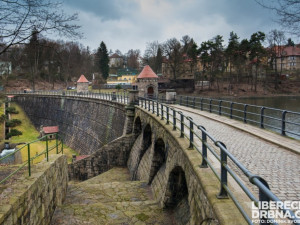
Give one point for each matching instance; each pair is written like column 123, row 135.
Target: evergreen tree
column 158, row 60
column 103, row 60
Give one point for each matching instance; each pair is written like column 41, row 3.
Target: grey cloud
column 104, row 9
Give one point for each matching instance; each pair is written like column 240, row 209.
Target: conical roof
column 147, row 72
column 82, row 79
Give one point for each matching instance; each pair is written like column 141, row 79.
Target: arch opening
column 147, row 135
column 159, row 158
column 137, row 129
column 177, row 188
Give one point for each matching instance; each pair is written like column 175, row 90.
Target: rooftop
column 147, row 72
column 82, row 79
column 51, row 130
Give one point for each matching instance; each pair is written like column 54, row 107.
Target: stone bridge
column 145, row 144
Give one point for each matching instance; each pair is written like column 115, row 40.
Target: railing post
column 62, row 146
column 181, row 124
column 220, row 107
column 180, row 102
column 283, row 122
column 262, row 117
column 149, row 105
column 231, row 109
column 174, row 119
column 201, row 104
column 56, row 136
column 191, row 133
column 157, row 108
column 153, row 107
column 162, row 111
column 47, row 153
column 204, row 147
column 167, row 114
column 210, row 105
column 187, row 101
column 245, row 113
column 29, row 166
column 194, row 102
column 223, row 192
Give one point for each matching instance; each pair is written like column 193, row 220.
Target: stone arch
column 177, row 189
column 137, row 129
column 147, row 139
column 158, row 159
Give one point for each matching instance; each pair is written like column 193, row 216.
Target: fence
column 188, row 129
column 30, row 158
column 282, row 121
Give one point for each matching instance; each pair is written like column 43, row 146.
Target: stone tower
column 147, row 82
column 82, row 85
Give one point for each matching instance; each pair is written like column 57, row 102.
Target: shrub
column 118, row 87
column 13, row 132
column 12, row 110
column 2, row 118
column 13, row 122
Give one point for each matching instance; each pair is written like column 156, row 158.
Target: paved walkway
column 271, row 156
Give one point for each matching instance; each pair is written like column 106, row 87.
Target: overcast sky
column 130, row 24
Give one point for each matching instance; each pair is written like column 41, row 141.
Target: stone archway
column 159, row 158
column 137, row 129
column 147, row 140
column 176, row 188
column 176, row 197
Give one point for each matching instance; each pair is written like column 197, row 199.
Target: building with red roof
column 147, row 82
column 49, row 130
column 288, row 58
column 82, row 84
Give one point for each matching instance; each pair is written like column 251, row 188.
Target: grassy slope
column 30, row 134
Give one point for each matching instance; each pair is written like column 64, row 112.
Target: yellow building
column 123, row 79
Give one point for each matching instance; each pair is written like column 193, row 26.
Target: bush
column 2, row 118
column 13, row 123
column 118, row 87
column 11, row 110
column 13, row 132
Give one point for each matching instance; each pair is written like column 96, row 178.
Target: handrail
column 187, row 130
column 58, row 142
column 265, row 117
column 165, row 112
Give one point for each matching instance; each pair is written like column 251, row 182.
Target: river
column 289, row 103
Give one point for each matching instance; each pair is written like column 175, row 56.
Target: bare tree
column 276, row 41
column 288, row 12
column 173, row 50
column 19, row 17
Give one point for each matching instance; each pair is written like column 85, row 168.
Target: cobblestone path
column 110, row 198
column 277, row 165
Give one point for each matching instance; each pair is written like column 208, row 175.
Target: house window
column 292, row 58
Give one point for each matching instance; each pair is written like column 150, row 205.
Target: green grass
column 29, row 134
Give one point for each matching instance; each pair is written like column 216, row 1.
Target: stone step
column 110, row 198
column 125, row 191
column 114, row 174
column 141, row 212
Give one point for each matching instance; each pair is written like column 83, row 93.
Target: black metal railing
column 121, row 97
column 282, row 121
column 202, row 141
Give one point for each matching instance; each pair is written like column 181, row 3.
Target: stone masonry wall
column 202, row 186
column 32, row 200
column 85, row 124
column 113, row 154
